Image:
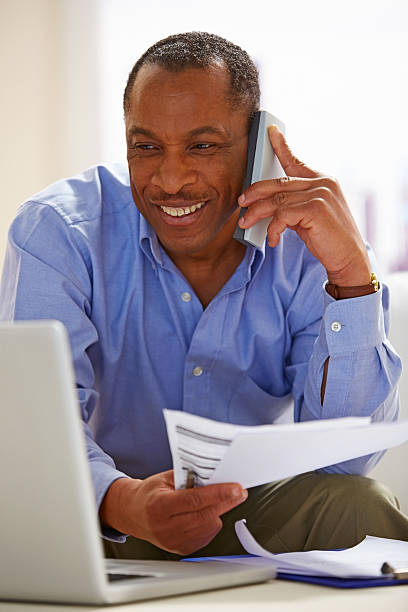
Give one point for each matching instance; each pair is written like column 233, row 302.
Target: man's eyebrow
column 205, row 129
column 209, row 129
column 135, row 129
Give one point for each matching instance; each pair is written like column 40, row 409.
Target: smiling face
column 186, row 149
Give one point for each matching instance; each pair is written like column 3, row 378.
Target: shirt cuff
column 103, row 476
column 353, row 324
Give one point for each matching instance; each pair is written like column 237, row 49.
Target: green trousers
column 309, row 511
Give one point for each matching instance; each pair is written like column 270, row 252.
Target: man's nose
column 173, row 173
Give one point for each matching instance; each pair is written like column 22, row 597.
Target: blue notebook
column 342, row 583
column 330, row 581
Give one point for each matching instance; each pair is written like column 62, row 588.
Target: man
column 166, row 310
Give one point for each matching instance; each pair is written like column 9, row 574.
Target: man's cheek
column 137, row 192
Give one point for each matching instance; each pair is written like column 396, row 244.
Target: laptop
column 51, row 548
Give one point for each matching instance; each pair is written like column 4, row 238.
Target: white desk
column 274, row 596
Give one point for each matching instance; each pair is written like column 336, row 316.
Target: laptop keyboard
column 115, row 577
column 124, row 571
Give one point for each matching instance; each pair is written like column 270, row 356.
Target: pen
column 399, row 574
column 190, row 480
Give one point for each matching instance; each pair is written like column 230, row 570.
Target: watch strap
column 343, row 293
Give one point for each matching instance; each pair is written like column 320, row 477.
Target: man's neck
column 207, row 272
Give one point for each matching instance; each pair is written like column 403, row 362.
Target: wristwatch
column 343, row 293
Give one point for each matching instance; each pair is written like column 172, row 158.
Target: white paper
column 198, row 444
column 268, row 456
column 220, row 452
column 362, row 561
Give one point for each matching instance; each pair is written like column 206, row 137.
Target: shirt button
column 335, row 326
column 197, row 371
column 186, row 296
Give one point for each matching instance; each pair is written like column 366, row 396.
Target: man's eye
column 140, row 146
column 203, row 146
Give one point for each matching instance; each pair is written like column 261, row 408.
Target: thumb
column 291, row 164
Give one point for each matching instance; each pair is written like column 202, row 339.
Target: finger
column 289, row 162
column 186, row 533
column 202, row 540
column 222, row 497
column 201, row 532
column 296, row 216
column 167, row 477
column 264, row 189
column 189, row 546
column 267, row 207
column 189, row 536
column 203, row 523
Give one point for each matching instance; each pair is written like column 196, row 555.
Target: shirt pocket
column 251, row 405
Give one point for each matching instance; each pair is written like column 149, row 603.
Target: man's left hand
column 314, row 206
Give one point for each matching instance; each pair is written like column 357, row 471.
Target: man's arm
column 352, row 369
column 363, row 371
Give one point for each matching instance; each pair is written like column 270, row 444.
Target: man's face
column 186, row 151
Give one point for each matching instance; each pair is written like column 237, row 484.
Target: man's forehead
column 156, row 82
column 154, row 70
column 185, row 101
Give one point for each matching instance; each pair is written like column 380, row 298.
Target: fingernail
column 238, row 493
column 241, row 198
column 242, row 221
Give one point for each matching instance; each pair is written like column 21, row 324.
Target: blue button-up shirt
column 81, row 252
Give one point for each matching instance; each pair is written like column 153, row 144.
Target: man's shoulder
column 94, row 193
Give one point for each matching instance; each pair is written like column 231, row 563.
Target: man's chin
column 183, row 247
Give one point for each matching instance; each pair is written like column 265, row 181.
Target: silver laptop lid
column 49, row 537
column 50, row 546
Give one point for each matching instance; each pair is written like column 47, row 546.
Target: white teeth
column 181, row 212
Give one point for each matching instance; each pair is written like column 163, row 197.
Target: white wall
column 49, row 114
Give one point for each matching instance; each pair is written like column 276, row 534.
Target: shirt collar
column 148, row 242
column 257, row 258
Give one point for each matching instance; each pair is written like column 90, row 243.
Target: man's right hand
column 180, row 521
